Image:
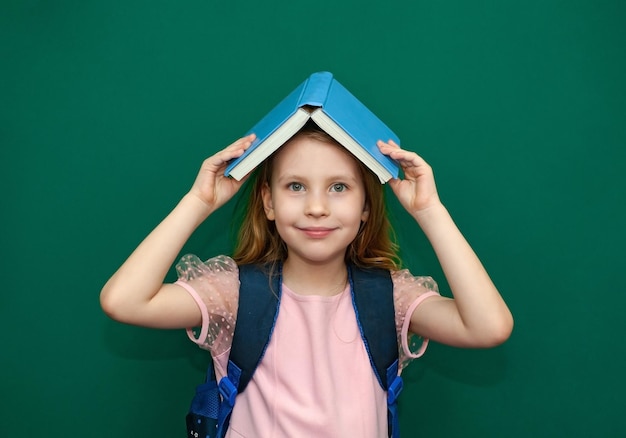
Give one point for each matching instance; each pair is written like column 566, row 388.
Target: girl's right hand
column 211, row 186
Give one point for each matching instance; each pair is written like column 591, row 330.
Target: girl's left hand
column 417, row 191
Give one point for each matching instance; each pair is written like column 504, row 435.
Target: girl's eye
column 296, row 187
column 339, row 187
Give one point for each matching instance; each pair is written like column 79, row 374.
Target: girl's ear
column 268, row 206
column 366, row 213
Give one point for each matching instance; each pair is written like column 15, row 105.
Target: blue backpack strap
column 393, row 392
column 372, row 297
column 259, row 300
column 202, row 417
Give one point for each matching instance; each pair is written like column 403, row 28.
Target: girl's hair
column 259, row 242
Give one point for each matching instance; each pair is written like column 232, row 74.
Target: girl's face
column 316, row 198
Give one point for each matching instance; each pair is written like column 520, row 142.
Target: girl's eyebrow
column 289, row 176
column 330, row 178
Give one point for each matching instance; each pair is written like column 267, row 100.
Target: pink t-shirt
column 315, row 378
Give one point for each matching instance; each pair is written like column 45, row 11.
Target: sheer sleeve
column 214, row 285
column 409, row 292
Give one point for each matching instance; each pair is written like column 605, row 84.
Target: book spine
column 316, row 89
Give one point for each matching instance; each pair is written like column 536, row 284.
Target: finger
column 406, row 156
column 387, row 145
column 394, row 183
column 242, row 143
column 393, row 143
column 232, row 151
column 248, row 139
column 402, row 156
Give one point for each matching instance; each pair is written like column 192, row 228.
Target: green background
column 107, row 109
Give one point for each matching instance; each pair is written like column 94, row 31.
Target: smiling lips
column 316, row 232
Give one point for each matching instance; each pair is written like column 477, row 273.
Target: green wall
column 108, row 107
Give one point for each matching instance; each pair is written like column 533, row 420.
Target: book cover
column 360, row 124
column 344, row 117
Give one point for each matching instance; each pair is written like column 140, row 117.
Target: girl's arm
column 477, row 316
column 135, row 294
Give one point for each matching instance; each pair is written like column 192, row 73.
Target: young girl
column 314, row 208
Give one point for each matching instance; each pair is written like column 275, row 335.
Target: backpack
column 259, row 301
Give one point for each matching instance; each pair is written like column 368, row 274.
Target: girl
column 314, row 208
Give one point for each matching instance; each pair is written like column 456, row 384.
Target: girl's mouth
column 316, row 232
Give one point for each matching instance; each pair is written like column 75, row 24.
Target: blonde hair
column 259, row 242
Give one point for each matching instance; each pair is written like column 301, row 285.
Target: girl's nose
column 316, row 205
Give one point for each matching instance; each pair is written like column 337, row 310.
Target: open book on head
column 336, row 111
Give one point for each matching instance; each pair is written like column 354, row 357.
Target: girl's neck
column 310, row 279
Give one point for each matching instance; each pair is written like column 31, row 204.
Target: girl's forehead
column 303, row 152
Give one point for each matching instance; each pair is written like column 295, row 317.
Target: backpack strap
column 259, row 300
column 201, row 419
column 372, row 298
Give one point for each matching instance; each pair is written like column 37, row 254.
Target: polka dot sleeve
column 409, row 292
column 214, row 285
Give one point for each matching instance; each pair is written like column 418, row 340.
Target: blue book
column 335, row 110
